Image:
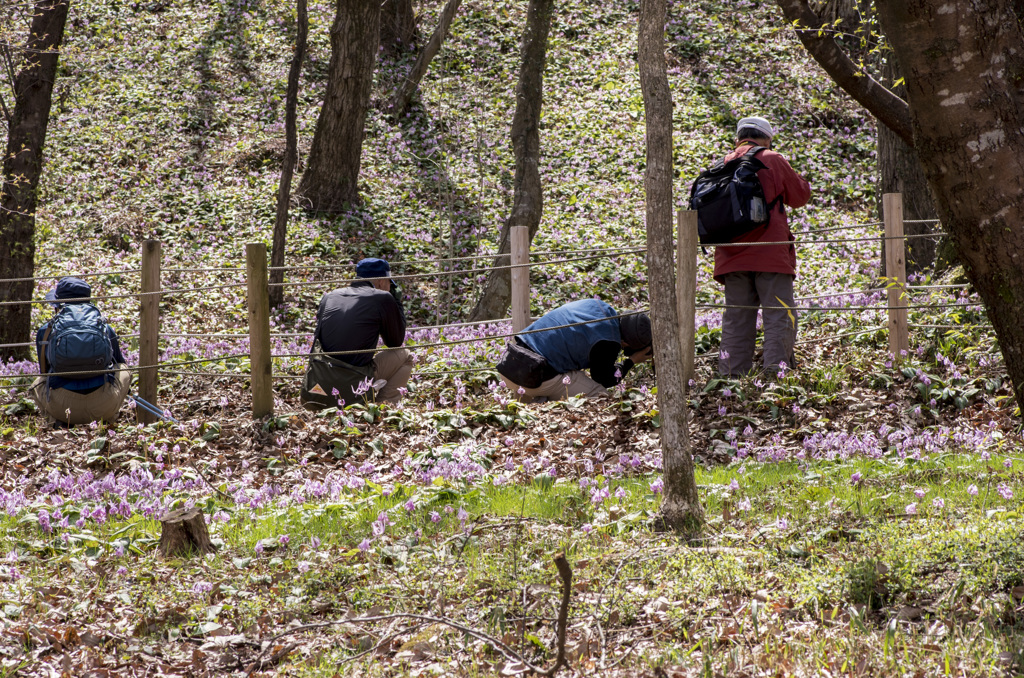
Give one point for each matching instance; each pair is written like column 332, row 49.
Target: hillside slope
column 169, row 126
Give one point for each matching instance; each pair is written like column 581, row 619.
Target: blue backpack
column 79, row 342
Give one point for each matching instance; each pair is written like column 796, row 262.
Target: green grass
column 818, row 573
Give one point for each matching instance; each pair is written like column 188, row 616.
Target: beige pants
column 71, row 407
column 394, row 366
column 555, row 388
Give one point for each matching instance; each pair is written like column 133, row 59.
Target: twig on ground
column 564, row 571
column 208, row 483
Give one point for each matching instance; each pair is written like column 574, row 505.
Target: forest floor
column 367, row 541
column 863, row 515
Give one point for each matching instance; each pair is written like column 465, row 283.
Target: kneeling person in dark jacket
column 78, row 343
column 594, row 341
column 355, row 317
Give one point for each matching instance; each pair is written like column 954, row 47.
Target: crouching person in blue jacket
column 548, row 359
column 79, row 344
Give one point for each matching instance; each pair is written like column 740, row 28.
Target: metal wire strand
column 851, row 309
column 128, row 271
column 440, row 274
column 160, row 366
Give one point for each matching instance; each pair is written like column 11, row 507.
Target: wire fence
column 173, row 367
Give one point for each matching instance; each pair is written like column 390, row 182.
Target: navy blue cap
column 70, row 288
column 373, row 268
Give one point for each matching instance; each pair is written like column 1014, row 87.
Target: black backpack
column 729, row 199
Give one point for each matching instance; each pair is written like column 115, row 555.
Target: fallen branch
column 564, row 572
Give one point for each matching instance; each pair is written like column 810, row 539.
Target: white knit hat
column 760, row 124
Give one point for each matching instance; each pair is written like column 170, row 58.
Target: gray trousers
column 773, row 292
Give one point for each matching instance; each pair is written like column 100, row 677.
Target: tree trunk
column 900, row 171
column 330, row 182
column 962, row 62
column 284, row 188
column 890, row 110
column 680, row 506
column 528, row 196
column 409, row 85
column 23, row 167
column 397, row 25
column 183, row 533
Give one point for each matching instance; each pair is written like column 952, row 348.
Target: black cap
column 636, row 331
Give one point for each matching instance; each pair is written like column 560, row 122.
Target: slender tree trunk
column 528, row 196
column 284, row 189
column 409, row 85
column 680, row 508
column 330, row 182
column 900, row 171
column 23, row 167
column 962, row 61
column 397, row 25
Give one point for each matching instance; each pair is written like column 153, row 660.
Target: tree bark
column 23, row 167
column 962, row 62
column 680, row 507
column 528, row 195
column 900, row 171
column 183, row 533
column 397, row 25
column 284, row 189
column 409, row 85
column 330, row 182
column 890, row 110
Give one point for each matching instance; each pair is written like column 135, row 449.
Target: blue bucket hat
column 70, row 288
column 373, row 268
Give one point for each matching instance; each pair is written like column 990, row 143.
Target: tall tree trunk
column 900, row 171
column 284, row 188
column 680, row 507
column 962, row 62
column 409, row 85
column 528, row 196
column 23, row 167
column 397, row 25
column 330, row 182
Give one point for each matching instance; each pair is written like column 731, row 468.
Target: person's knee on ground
column 394, row 366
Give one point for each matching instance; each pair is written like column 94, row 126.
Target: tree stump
column 183, row 533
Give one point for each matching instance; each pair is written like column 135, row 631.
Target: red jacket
column 778, row 179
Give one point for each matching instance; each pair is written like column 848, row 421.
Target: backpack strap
column 755, row 149
column 43, row 367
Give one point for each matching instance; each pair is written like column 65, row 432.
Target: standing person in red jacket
column 761, row 275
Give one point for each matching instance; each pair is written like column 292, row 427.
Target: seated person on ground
column 353, row 319
column 549, row 364
column 78, row 342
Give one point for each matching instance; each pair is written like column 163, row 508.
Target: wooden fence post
column 686, row 289
column 149, row 329
column 896, row 274
column 259, row 330
column 520, row 237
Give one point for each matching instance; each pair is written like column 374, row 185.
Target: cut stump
column 184, row 533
